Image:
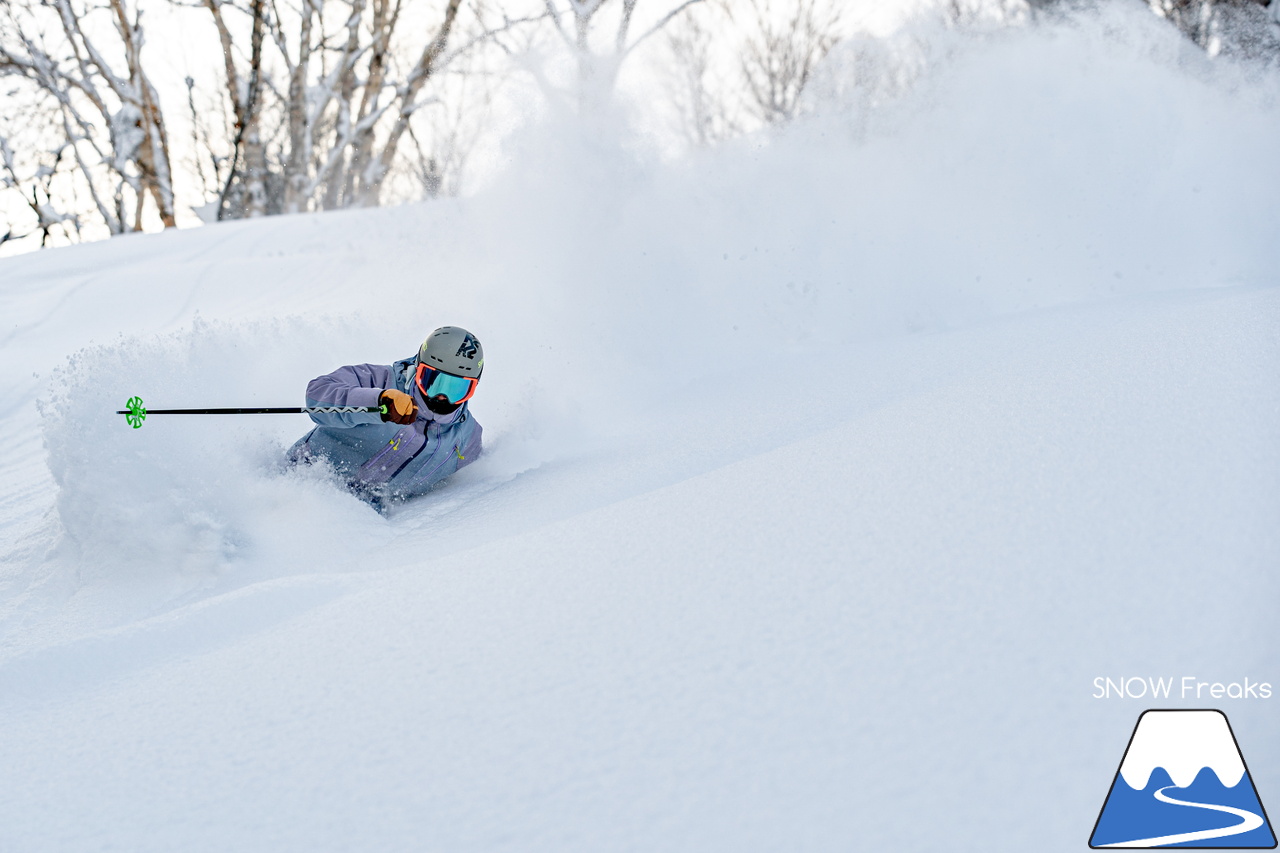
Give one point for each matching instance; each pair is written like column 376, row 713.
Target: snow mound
column 175, row 504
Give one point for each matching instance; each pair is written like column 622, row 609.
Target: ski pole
column 136, row 413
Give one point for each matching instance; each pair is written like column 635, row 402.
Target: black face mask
column 441, row 406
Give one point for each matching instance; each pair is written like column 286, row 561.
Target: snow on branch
column 107, row 111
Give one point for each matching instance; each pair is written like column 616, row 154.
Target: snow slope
column 824, row 474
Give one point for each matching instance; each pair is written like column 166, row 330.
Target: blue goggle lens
column 454, row 388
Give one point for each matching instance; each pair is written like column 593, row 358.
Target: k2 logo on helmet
column 468, row 348
column 1183, row 783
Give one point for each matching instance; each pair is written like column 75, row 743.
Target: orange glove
column 400, row 407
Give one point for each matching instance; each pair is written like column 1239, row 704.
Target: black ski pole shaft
column 137, row 412
column 294, row 410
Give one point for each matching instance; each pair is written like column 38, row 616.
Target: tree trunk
column 377, row 170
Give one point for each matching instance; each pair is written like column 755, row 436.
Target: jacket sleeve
column 352, row 385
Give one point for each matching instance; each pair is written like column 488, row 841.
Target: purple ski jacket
column 383, row 460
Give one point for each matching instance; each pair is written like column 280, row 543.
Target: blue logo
column 1183, row 783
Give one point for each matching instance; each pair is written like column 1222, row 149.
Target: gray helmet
column 453, row 350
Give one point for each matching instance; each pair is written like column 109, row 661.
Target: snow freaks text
column 1186, row 687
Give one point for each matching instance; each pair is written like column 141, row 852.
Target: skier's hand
column 400, row 407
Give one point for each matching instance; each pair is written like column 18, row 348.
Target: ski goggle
column 456, row 389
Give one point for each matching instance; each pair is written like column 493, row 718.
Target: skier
column 426, row 432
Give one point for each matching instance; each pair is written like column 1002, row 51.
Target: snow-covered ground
column 823, row 475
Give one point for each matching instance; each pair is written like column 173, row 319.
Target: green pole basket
column 136, row 413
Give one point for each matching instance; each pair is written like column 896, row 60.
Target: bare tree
column 438, row 159
column 109, row 112
column 976, row 13
column 703, row 110
column 310, row 106
column 34, row 185
column 786, row 40
column 243, row 192
column 206, row 164
column 340, row 108
column 578, row 23
column 1246, row 28
column 309, row 109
